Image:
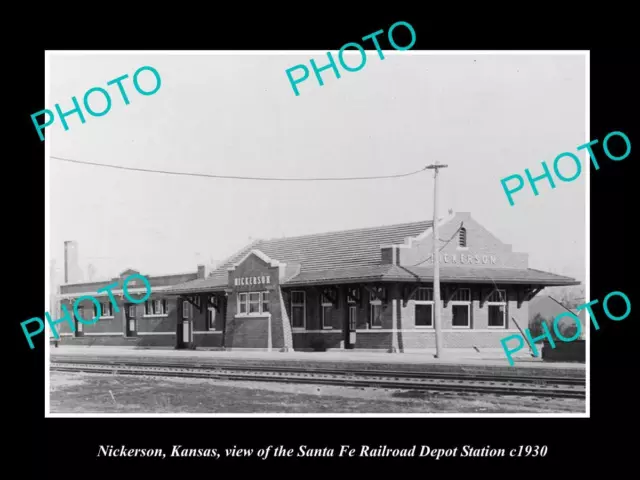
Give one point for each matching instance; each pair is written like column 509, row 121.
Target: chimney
column 71, row 266
column 202, row 271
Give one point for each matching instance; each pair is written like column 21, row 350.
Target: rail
column 458, row 382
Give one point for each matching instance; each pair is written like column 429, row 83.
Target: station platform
column 461, row 361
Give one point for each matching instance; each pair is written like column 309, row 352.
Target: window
column 186, row 309
column 242, row 304
column 159, row 307
column 461, row 308
column 497, row 308
column 423, row 312
column 327, row 312
column 132, row 311
column 298, row 309
column 105, row 310
column 424, row 295
column 253, row 303
column 211, row 318
column 375, row 320
column 497, row 316
column 155, row 307
column 462, row 237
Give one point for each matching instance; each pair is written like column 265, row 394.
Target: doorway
column 350, row 341
column 79, row 330
column 185, row 326
column 130, row 319
column 186, row 332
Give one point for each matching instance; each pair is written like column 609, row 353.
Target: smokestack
column 66, row 262
column 71, row 266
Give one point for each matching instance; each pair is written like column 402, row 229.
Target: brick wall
column 407, row 334
column 208, row 340
column 116, row 323
column 251, row 332
column 306, row 341
column 480, row 242
column 247, row 333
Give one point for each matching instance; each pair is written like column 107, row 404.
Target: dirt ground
column 102, row 393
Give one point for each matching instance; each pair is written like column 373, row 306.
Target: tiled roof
column 425, row 274
column 350, row 255
column 216, row 280
column 342, row 249
column 209, row 284
column 498, row 275
column 345, row 275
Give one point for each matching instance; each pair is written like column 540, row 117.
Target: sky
column 485, row 116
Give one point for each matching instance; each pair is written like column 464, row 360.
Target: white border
column 587, row 213
column 47, row 242
column 47, row 190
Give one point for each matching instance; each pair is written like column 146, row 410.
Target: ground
column 105, row 393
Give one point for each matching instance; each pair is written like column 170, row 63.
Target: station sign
column 466, row 259
column 248, row 281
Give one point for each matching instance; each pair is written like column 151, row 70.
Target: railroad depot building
column 368, row 288
column 152, row 323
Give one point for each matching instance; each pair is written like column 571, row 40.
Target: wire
column 440, row 249
column 206, row 175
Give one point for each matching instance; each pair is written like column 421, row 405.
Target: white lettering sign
column 466, row 259
column 247, row 281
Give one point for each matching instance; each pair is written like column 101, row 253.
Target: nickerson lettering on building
column 509, row 191
column 96, row 103
column 67, row 316
column 465, row 259
column 349, row 68
column 547, row 333
column 243, row 281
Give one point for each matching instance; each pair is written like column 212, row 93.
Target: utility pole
column 436, row 261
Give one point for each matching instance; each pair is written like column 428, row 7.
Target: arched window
column 462, row 237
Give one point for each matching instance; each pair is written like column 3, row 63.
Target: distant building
column 549, row 308
column 152, row 322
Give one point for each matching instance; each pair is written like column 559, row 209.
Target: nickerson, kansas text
column 176, row 451
column 344, row 451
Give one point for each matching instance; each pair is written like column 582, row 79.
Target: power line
column 234, row 177
column 440, row 249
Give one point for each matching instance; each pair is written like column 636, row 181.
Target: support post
column 436, row 262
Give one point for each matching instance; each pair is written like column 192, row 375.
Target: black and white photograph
column 228, row 235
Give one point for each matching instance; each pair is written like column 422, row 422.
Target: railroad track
column 457, row 382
